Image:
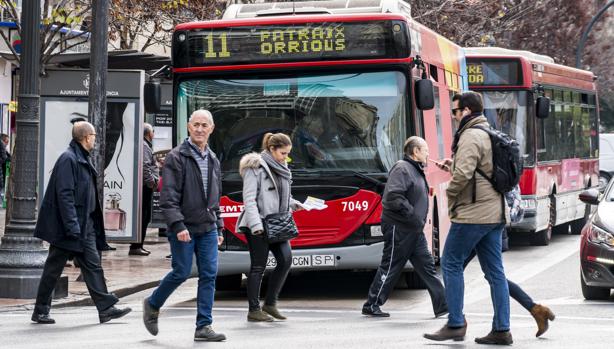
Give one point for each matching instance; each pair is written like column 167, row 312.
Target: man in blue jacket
column 405, row 206
column 71, row 220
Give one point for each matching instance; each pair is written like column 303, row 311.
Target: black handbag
column 279, row 227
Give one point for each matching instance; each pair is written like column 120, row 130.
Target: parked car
column 597, row 245
column 606, row 159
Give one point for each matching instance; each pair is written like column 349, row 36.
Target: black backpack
column 506, row 159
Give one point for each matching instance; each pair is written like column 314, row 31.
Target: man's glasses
column 454, row 110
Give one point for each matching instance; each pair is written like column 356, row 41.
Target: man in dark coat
column 405, row 207
column 190, row 201
column 151, row 176
column 71, row 220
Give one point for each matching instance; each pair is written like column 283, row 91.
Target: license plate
column 318, row 260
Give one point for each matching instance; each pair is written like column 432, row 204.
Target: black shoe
column 42, row 319
column 207, row 334
column 108, row 247
column 374, row 311
column 441, row 313
column 138, row 252
column 150, row 317
column 496, row 338
column 148, row 251
column 112, row 313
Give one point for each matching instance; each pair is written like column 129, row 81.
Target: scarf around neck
column 461, row 128
column 282, row 177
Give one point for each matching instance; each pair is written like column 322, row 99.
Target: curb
column 120, row 293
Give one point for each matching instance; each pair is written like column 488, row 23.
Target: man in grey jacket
column 150, row 183
column 405, row 207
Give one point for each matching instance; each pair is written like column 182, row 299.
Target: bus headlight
column 376, row 230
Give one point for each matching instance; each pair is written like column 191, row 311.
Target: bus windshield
column 507, row 111
column 353, row 122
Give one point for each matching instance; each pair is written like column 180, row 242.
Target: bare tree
column 61, row 26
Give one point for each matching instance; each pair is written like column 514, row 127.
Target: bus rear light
column 528, row 182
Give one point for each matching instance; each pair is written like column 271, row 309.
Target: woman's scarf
column 282, row 177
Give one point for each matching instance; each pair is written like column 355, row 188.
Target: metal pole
column 98, row 85
column 21, row 255
column 588, row 29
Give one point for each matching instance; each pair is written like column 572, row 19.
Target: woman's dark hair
column 275, row 140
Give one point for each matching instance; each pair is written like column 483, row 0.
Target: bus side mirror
column 542, row 107
column 152, row 95
column 425, row 99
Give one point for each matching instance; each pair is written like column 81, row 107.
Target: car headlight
column 598, row 235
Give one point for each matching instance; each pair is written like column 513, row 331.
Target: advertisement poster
column 121, row 176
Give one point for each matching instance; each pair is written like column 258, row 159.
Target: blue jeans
column 205, row 248
column 486, row 240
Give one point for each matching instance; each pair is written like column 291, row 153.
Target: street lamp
column 587, row 31
column 22, row 256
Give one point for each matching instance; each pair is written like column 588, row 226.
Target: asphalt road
column 324, row 312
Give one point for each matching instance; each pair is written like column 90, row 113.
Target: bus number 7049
column 349, row 206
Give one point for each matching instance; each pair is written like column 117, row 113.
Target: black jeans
column 145, row 216
column 91, row 269
column 258, row 255
column 517, row 293
column 400, row 246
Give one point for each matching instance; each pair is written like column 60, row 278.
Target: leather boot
column 445, row 333
column 496, row 338
column 273, row 311
column 541, row 314
column 258, row 315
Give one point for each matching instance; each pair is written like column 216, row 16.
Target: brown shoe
column 273, row 311
column 541, row 314
column 455, row 334
column 258, row 316
column 496, row 338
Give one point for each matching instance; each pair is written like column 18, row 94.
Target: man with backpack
column 478, row 214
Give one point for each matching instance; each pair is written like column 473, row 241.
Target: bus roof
column 538, row 68
column 317, row 7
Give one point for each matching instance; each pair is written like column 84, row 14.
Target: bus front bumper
column 364, row 257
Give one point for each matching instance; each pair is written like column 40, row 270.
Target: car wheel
column 414, row 282
column 594, row 293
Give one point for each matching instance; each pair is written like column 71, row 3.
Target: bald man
column 71, row 220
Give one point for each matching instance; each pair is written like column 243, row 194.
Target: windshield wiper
column 317, row 173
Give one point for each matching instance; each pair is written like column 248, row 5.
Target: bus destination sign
column 493, row 72
column 294, row 42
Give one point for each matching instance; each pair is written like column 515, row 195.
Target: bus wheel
column 414, row 282
column 228, row 282
column 578, row 224
column 542, row 237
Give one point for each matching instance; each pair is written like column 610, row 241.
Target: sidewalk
column 125, row 274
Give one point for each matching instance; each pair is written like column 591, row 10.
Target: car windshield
column 507, row 111
column 354, row 122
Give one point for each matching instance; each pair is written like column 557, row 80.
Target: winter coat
column 64, row 211
column 474, row 151
column 182, row 200
column 405, row 201
column 260, row 193
column 151, row 174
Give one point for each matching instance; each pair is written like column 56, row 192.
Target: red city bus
column 340, row 81
column 561, row 151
